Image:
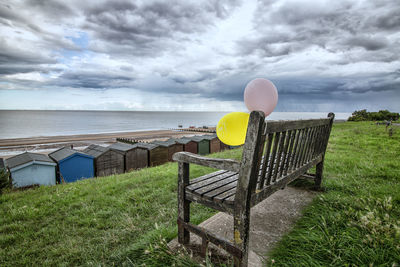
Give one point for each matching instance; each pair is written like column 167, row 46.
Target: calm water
column 18, row 124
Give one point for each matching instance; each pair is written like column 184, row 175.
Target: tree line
column 381, row 115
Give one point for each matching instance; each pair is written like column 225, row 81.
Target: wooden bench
column 274, row 154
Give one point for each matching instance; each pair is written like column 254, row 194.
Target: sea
column 38, row 123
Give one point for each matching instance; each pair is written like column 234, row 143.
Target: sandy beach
column 46, row 144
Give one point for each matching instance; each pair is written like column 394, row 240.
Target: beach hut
column 188, row 144
column 223, row 146
column 157, row 154
column 29, row 169
column 72, row 165
column 215, row 144
column 203, row 144
column 135, row 157
column 172, row 146
column 107, row 161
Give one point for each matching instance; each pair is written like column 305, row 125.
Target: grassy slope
column 109, row 221
column 356, row 221
column 123, row 219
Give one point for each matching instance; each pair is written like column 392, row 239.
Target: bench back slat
column 281, row 126
column 285, row 154
column 265, row 159
column 278, row 156
column 292, row 161
column 270, row 164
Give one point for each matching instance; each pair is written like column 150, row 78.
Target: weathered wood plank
column 219, row 241
column 183, row 204
column 289, row 157
column 316, row 141
column 281, row 126
column 299, row 148
column 224, row 207
column 308, row 176
column 205, row 189
column 310, row 145
column 320, row 139
column 267, row 191
column 221, row 197
column 306, row 146
column 320, row 165
column 212, row 180
column 285, row 153
column 265, row 162
column 279, row 156
column 207, row 176
column 224, row 164
column 294, row 151
column 218, row 191
column 249, row 170
column 273, row 156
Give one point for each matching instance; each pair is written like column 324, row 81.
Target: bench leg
column 318, row 174
column 241, row 239
column 183, row 203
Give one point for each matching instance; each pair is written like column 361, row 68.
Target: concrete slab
column 269, row 221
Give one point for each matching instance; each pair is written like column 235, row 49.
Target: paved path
column 269, row 221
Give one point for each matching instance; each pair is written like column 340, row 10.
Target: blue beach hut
column 29, row 169
column 73, row 165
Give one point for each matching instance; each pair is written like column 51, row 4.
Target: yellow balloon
column 232, row 128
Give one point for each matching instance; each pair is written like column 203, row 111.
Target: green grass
column 356, row 222
column 116, row 220
column 127, row 219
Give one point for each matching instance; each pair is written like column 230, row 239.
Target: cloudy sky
column 198, row 55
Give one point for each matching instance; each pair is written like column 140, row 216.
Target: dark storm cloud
column 51, row 8
column 368, row 43
column 93, row 80
column 199, row 77
column 388, row 21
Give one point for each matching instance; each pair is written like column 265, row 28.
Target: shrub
column 381, row 115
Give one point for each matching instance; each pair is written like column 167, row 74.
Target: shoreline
column 9, row 142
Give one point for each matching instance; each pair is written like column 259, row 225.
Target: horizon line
column 113, row 110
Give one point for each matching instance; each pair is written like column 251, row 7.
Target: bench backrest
column 276, row 149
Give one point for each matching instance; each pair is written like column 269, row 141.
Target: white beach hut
column 31, row 169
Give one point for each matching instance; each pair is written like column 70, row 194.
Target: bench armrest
column 222, row 164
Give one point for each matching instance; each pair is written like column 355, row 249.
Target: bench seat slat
column 221, row 190
column 207, row 176
column 221, row 197
column 211, row 180
column 224, row 207
column 227, row 180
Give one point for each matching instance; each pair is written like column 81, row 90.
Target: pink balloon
column 261, row 94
